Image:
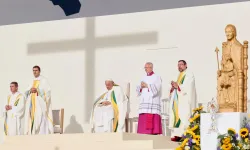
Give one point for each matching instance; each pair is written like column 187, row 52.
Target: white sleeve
column 138, row 90
column 188, row 88
column 3, row 110
column 19, row 109
column 122, row 106
column 187, row 84
column 155, row 88
column 44, row 91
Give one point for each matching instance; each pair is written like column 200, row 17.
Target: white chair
column 131, row 123
column 128, row 106
column 58, row 119
column 165, row 117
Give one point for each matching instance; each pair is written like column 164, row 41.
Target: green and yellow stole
column 116, row 111
column 33, row 104
column 114, row 106
column 177, row 120
column 6, row 117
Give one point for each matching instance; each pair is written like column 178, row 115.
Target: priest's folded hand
column 33, row 90
column 105, row 103
column 175, row 85
column 144, row 85
column 8, row 107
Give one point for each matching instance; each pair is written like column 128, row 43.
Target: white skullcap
column 109, row 79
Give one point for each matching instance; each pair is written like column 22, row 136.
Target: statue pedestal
column 224, row 121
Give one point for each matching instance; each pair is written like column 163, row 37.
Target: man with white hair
column 149, row 91
column 109, row 110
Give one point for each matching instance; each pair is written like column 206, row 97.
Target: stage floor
column 89, row 141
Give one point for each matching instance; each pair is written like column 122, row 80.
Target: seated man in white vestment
column 109, row 110
column 38, row 110
column 13, row 111
column 182, row 101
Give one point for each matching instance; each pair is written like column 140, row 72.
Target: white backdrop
column 77, row 55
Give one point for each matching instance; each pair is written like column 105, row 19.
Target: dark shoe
column 176, row 139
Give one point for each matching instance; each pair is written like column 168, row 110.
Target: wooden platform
column 89, row 141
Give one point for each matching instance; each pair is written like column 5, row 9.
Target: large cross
column 90, row 43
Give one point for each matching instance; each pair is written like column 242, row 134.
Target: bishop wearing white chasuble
column 182, row 101
column 109, row 110
column 13, row 111
column 150, row 102
column 38, row 110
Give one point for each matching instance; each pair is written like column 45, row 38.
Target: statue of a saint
column 232, row 77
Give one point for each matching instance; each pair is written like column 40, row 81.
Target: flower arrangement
column 191, row 137
column 229, row 141
column 244, row 134
column 232, row 141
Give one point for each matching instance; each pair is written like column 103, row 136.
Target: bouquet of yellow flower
column 232, row 141
column 229, row 141
column 191, row 138
column 244, row 134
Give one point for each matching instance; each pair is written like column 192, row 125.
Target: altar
column 224, row 121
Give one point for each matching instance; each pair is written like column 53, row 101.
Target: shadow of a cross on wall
column 90, row 44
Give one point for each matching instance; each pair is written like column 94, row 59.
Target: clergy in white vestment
column 13, row 111
column 38, row 110
column 109, row 110
column 149, row 92
column 182, row 101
